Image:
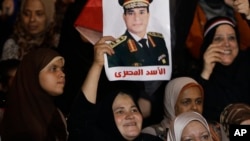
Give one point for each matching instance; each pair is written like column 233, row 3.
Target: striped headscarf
column 234, row 114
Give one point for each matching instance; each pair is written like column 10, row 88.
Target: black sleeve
column 81, row 119
column 201, row 81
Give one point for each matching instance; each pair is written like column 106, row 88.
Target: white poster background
column 159, row 21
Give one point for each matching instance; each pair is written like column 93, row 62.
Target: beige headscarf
column 27, row 42
column 49, row 6
column 180, row 122
column 172, row 91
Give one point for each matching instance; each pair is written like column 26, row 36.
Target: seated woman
column 116, row 118
column 182, row 94
column 235, row 114
column 189, row 126
column 224, row 73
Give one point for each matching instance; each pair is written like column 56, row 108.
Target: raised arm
column 241, row 6
column 89, row 87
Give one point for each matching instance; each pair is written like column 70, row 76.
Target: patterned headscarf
column 49, row 7
column 48, row 37
column 234, row 114
column 181, row 121
column 172, row 92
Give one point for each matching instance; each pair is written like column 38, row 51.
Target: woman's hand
column 210, row 58
column 241, row 6
column 90, row 85
column 102, row 47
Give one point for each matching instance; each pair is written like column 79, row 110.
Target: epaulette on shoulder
column 118, row 41
column 156, row 34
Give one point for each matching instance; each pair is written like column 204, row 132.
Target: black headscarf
column 106, row 120
column 210, row 29
column 30, row 111
column 227, row 84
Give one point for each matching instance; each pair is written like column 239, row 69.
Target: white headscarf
column 180, row 122
column 172, row 91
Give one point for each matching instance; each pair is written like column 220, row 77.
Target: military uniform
column 128, row 51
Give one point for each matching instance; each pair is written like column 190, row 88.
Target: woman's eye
column 40, row 14
column 119, row 112
column 205, row 137
column 53, row 69
column 186, row 102
column 217, row 39
column 134, row 110
column 142, row 12
column 25, row 13
column 231, row 38
column 188, row 140
column 199, row 102
column 130, row 13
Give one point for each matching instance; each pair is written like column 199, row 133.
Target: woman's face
column 127, row 117
column 190, row 99
column 225, row 37
column 52, row 77
column 33, row 17
column 195, row 131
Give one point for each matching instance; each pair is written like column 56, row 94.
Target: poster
column 129, row 21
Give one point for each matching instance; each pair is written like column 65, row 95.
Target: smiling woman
column 124, row 108
column 116, row 118
column 224, row 73
column 121, row 115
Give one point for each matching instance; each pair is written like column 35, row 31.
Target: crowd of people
column 53, row 86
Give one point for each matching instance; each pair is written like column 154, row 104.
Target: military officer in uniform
column 136, row 47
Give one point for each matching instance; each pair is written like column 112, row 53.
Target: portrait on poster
column 142, row 46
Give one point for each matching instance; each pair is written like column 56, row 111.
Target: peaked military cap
column 129, row 4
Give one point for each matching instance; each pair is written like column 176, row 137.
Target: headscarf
column 181, row 121
column 172, row 92
column 234, row 114
column 210, row 29
column 27, row 42
column 49, row 7
column 230, row 82
column 30, row 110
column 106, row 121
